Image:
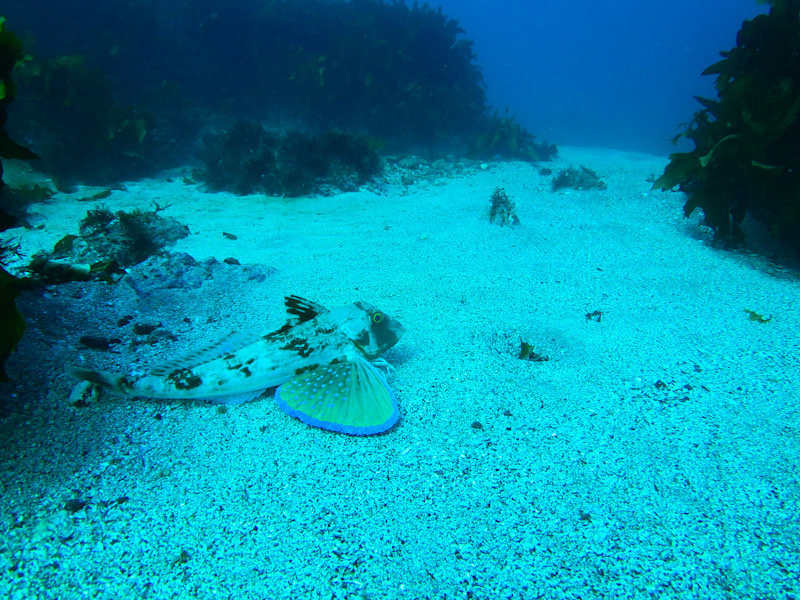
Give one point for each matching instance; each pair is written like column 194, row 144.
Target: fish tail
column 102, row 378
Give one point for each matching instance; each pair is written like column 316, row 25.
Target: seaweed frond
column 502, row 208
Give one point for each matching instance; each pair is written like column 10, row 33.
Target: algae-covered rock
column 108, row 243
column 126, row 238
column 582, row 178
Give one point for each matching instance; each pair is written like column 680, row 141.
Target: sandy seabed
column 655, row 454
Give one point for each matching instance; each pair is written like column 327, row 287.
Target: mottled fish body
column 319, row 358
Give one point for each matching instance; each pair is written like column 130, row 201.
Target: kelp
column 746, row 159
column 84, row 133
column 502, row 137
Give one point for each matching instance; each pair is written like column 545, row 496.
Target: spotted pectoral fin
column 350, row 397
column 228, row 345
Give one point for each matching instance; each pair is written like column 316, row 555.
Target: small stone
column 42, row 530
column 97, row 342
column 73, row 505
column 146, row 328
column 476, row 425
column 410, row 162
column 159, row 336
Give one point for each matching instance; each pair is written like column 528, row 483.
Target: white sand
column 586, row 480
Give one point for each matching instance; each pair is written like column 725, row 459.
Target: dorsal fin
column 302, row 310
column 230, row 343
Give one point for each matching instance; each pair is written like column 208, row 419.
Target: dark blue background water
column 612, row 73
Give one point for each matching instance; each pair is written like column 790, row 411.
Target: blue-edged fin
column 350, row 397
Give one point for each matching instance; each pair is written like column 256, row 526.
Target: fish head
column 372, row 331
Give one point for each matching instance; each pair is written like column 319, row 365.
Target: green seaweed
column 130, row 96
column 502, row 137
column 85, row 133
column 746, row 159
column 754, row 316
column 527, row 352
column 502, row 209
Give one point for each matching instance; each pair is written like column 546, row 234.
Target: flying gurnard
column 321, row 359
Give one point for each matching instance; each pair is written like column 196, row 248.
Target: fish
column 324, row 362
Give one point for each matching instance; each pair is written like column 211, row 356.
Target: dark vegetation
column 502, row 137
column 400, row 72
column 746, row 159
column 141, row 90
column 12, row 326
column 83, row 132
column 249, row 158
column 11, row 53
column 527, row 352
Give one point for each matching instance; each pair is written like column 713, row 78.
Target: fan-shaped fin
column 350, row 397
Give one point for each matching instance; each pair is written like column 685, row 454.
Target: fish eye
column 377, row 318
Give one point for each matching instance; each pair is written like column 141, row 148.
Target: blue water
column 618, row 73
